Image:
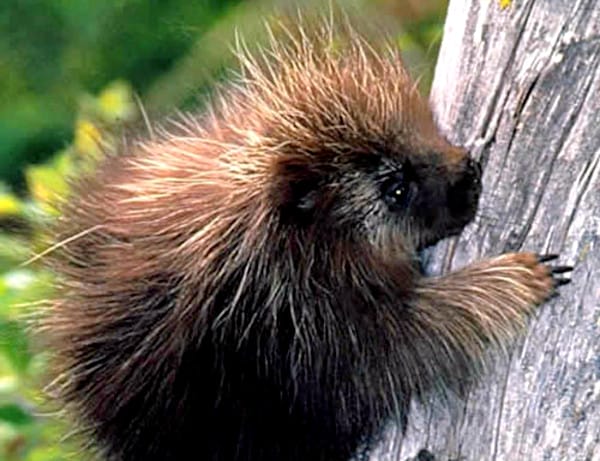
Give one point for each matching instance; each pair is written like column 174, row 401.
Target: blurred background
column 71, row 73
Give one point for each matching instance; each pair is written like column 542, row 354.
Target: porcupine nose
column 463, row 194
column 474, row 169
column 472, row 177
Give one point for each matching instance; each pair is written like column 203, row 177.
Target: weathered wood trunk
column 519, row 84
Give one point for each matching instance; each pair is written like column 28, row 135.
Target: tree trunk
column 518, row 82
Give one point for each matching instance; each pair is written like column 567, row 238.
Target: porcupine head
column 241, row 283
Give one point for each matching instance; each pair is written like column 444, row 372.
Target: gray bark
column 520, row 86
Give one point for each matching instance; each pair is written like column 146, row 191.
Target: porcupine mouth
column 461, row 210
column 463, row 199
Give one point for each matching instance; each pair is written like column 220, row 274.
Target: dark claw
column 555, row 271
column 546, row 258
column 425, row 455
column 560, row 282
column 561, row 269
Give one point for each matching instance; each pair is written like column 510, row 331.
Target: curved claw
column 561, row 269
column 546, row 258
column 425, row 455
column 559, row 282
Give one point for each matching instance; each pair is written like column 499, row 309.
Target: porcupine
column 244, row 284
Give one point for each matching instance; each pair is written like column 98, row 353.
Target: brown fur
column 244, row 286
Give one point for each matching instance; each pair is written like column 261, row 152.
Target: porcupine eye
column 396, row 191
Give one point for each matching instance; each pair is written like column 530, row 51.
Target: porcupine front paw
column 540, row 279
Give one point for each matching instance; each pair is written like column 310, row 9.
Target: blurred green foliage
column 52, row 51
column 68, row 73
column 25, row 433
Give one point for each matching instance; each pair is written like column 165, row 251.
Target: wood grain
column 520, row 86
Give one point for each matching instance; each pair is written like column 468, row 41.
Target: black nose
column 463, row 193
column 473, row 170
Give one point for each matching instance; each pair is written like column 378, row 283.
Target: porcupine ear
column 296, row 190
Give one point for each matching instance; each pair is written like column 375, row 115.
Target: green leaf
column 13, row 251
column 21, row 289
column 15, row 415
column 46, row 184
column 10, row 204
column 14, row 345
